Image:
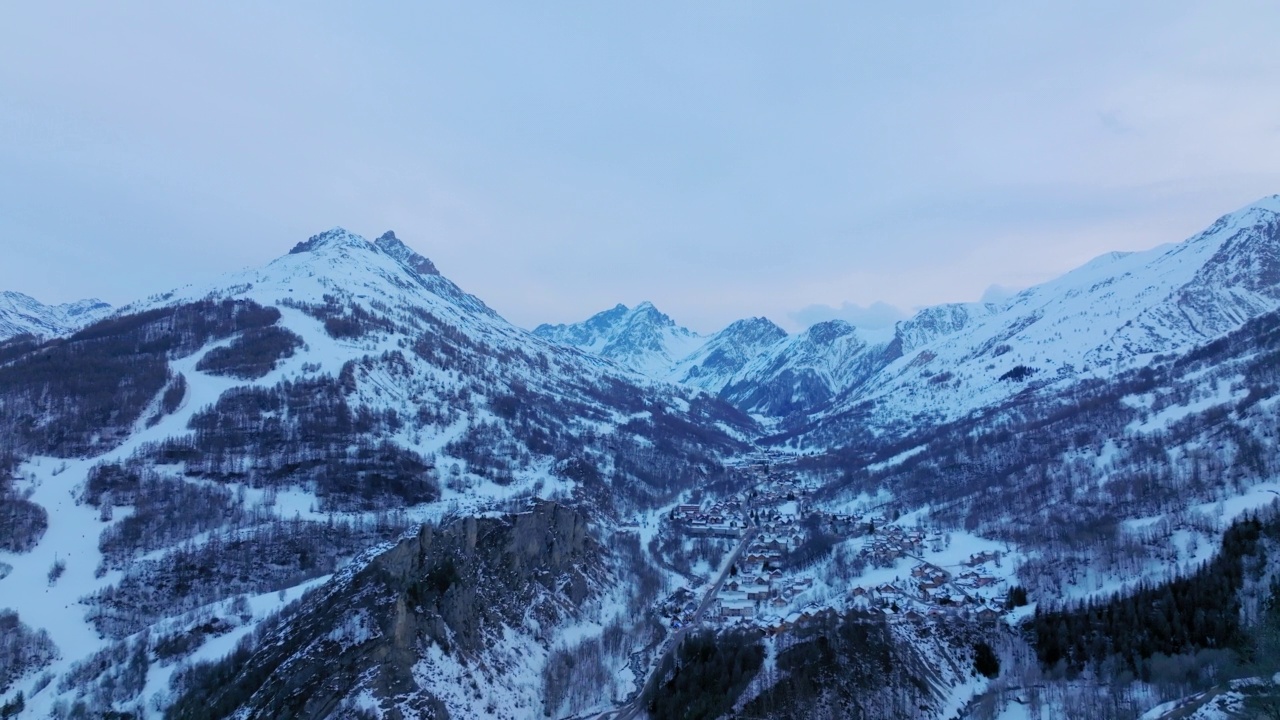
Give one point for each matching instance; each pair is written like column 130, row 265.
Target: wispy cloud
column 875, row 316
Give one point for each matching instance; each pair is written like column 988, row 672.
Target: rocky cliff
column 393, row 638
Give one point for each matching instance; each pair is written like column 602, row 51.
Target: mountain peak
column 1270, row 202
column 340, row 238
column 1262, row 211
column 331, row 238
column 14, row 297
column 758, row 329
column 828, row 330
column 88, row 306
column 643, row 338
column 388, row 243
column 649, row 313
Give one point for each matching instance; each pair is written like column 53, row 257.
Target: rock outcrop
column 458, row 588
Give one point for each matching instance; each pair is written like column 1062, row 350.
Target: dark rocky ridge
column 392, row 245
column 455, row 587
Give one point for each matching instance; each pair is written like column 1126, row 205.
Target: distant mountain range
column 1116, row 311
column 21, row 314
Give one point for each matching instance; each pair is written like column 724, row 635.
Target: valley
column 339, row 485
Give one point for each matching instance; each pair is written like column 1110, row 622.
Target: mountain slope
column 1087, row 473
column 753, row 364
column 726, row 353
column 21, row 314
column 176, row 473
column 428, row 617
column 203, row 450
column 805, row 371
column 1118, row 311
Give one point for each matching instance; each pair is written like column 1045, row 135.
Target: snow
column 71, row 538
column 1220, row 703
column 21, row 314
column 74, row 528
column 1190, row 546
column 357, row 272
column 1162, row 709
column 293, row 502
column 354, row 630
column 216, row 648
column 641, row 339
column 1116, row 311
column 1232, row 508
column 509, row 692
column 897, row 459
column 1016, row 711
column 861, row 504
column 960, row 695
column 1221, row 393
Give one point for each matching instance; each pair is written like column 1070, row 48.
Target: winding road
column 635, row 708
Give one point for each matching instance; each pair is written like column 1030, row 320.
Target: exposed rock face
column 1241, row 280
column 805, row 371
column 457, row 587
column 336, row 237
column 938, row 321
column 391, row 245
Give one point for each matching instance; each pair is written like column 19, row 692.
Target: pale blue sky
column 722, row 159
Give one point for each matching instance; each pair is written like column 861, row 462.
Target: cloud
column 874, row 316
column 999, row 294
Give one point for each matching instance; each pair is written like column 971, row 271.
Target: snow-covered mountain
column 805, row 370
column 269, row 426
column 22, row 314
column 642, row 338
column 420, row 347
column 933, row 323
column 713, row 365
column 752, row 363
column 476, row 520
column 1115, row 311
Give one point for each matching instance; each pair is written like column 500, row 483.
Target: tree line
column 1200, row 611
